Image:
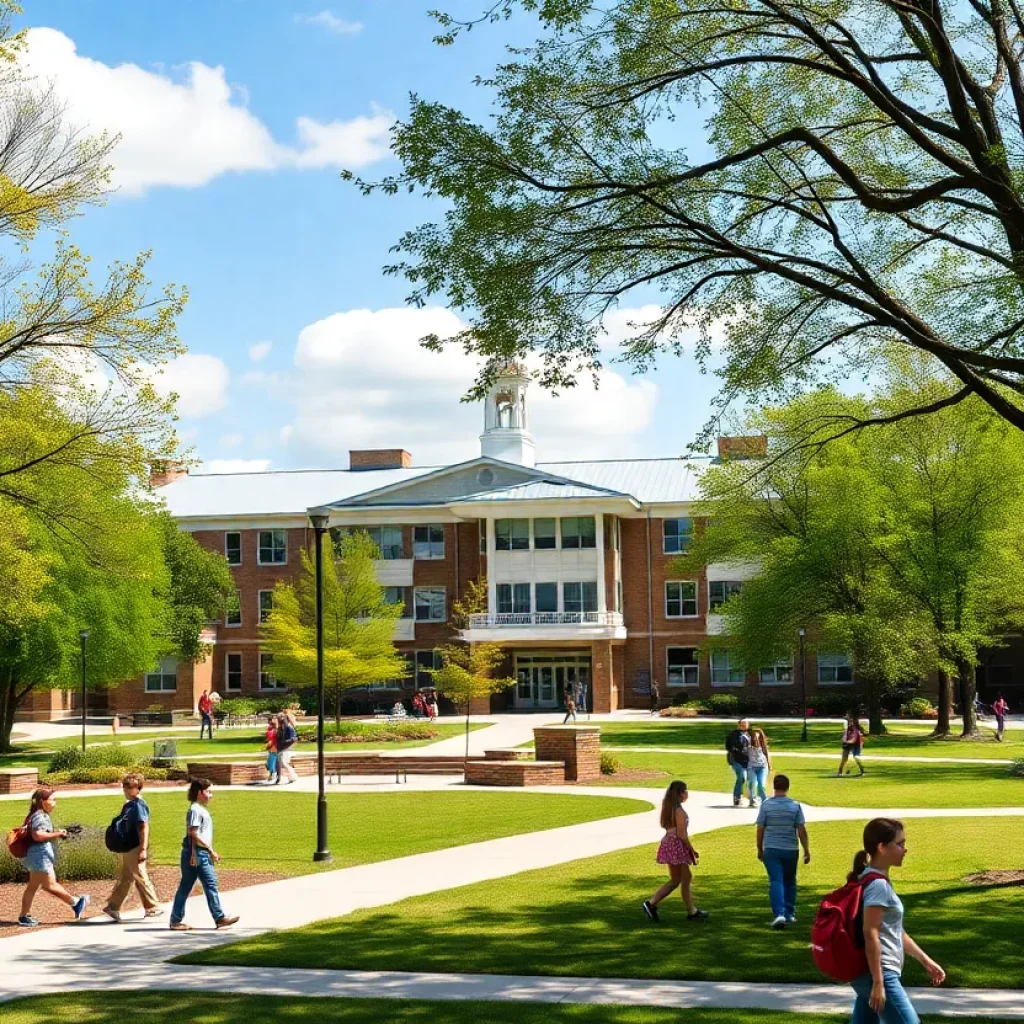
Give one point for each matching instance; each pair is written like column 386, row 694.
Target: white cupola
column 506, row 433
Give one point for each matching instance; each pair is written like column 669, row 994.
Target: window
column 164, row 678
column 268, row 681
column 233, row 548
column 683, row 665
column 429, row 604
column 514, row 597
column 547, row 597
column 579, row 532
column 676, row 536
column 425, row 661
column 545, row 534
column 233, row 671
column 680, row 599
column 779, row 674
column 233, row 610
column 428, row 542
column 266, row 604
column 579, row 597
column 388, row 540
column 725, row 671
column 719, row 592
column 512, row 534
column 273, row 547
column 397, row 595
column 834, row 668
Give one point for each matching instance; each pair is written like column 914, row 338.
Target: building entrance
column 542, row 678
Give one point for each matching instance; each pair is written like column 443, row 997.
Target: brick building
column 577, row 557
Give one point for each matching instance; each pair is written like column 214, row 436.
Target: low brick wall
column 240, row 773
column 18, row 780
column 579, row 746
column 515, row 773
column 508, row 755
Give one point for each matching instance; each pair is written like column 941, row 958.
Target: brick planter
column 578, row 746
column 508, row 755
column 18, row 780
column 515, row 773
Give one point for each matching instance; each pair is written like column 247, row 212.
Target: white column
column 602, row 598
column 492, row 585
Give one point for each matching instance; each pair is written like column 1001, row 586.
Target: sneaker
column 114, row 915
column 155, row 912
column 698, row 915
column 779, row 923
column 651, row 910
column 735, row 801
column 80, row 904
column 791, row 919
column 755, row 803
column 180, row 926
column 27, row 921
column 227, row 922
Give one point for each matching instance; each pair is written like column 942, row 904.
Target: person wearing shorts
column 853, row 741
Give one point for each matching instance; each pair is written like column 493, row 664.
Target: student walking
column 737, row 753
column 677, row 852
column 271, row 744
column 759, row 764
column 570, row 706
column 655, row 698
column 781, row 831
column 286, row 738
column 853, row 740
column 40, row 859
column 1000, row 709
column 880, row 992
column 132, row 828
column 206, row 714
column 198, row 858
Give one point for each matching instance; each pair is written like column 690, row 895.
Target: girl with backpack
column 880, row 992
column 853, row 740
column 271, row 744
column 677, row 852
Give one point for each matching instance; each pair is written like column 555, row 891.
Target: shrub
column 371, row 732
column 247, row 706
column 1017, row 768
column 832, row 705
column 83, row 856
column 678, row 712
column 724, row 704
column 102, row 755
column 918, row 707
column 104, row 775
column 610, row 764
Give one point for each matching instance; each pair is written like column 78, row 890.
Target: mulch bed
column 628, row 775
column 52, row 913
column 996, row 878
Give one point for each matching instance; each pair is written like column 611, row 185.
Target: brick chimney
column 163, row 473
column 379, row 458
column 754, row 447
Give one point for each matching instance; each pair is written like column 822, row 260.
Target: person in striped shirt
column 781, row 831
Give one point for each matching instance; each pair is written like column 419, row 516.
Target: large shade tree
column 864, row 186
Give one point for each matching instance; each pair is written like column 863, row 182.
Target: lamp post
column 83, row 636
column 319, row 522
column 802, row 633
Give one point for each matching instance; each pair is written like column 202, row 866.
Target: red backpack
column 837, row 935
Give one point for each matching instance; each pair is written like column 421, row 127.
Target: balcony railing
column 545, row 619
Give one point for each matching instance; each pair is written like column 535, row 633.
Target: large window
column 233, row 547
column 399, row 596
column 547, row 597
column 680, row 599
column 676, row 536
column 233, row 609
column 545, row 534
column 683, row 665
column 273, row 547
column 579, row 597
column 233, row 671
column 779, row 674
column 428, row 542
column 429, row 604
column 513, row 597
column 268, row 681
column 719, row 591
column 512, row 534
column 579, row 532
column 725, row 670
column 164, row 678
column 834, row 668
column 388, row 540
column 266, row 604
column 426, row 660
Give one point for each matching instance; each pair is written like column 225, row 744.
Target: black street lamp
column 319, row 522
column 802, row 633
column 83, row 636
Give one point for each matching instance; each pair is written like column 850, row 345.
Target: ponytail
column 877, row 832
column 860, row 862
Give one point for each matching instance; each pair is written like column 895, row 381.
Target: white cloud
column 200, row 382
column 187, row 130
column 260, row 351
column 231, row 440
column 236, row 466
column 362, row 380
column 331, row 22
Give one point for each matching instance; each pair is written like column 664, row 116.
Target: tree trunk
column 9, row 701
column 873, row 699
column 945, row 704
column 337, row 711
column 968, row 689
column 467, row 734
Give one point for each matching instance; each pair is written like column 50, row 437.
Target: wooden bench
column 18, row 780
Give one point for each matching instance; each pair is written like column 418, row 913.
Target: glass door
column 544, row 686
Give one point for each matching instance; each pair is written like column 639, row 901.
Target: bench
column 18, row 780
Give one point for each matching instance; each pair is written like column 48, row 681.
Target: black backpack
column 120, row 838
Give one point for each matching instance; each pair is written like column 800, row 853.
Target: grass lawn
column 823, row 737
column 584, row 918
column 275, row 831
column 886, row 784
column 210, row 1008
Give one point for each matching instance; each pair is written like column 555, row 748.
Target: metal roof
column 648, row 480
column 540, row 490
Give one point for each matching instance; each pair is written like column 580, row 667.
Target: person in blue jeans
column 737, row 753
column 880, row 993
column 781, row 831
column 198, row 858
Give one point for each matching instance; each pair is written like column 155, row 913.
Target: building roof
column 292, row 492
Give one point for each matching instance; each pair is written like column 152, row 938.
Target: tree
column 864, row 187
column 359, row 624
column 467, row 670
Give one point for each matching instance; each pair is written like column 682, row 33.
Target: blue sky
column 236, row 116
